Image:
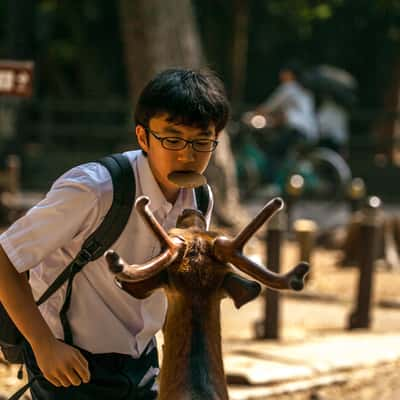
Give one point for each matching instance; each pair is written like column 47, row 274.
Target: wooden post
column 13, row 170
column 305, row 230
column 367, row 254
column 293, row 190
column 269, row 327
column 356, row 194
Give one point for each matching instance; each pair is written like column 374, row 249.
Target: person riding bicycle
column 284, row 131
column 290, row 109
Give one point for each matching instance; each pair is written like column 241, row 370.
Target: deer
column 197, row 268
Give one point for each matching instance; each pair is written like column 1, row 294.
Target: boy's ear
column 141, row 136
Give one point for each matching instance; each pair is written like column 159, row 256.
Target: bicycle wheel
column 326, row 174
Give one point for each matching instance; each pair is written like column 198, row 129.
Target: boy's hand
column 61, row 364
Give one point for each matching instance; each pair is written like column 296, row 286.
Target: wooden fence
column 52, row 136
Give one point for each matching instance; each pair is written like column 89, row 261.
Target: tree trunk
column 239, row 50
column 221, row 174
column 157, row 34
column 389, row 129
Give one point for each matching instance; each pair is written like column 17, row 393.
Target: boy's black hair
column 189, row 97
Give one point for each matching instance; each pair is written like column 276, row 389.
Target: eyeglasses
column 176, row 143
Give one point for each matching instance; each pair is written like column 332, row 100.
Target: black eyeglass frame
column 191, row 142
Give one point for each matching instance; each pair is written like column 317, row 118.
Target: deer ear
column 144, row 288
column 240, row 289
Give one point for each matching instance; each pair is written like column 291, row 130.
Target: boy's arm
column 60, row 364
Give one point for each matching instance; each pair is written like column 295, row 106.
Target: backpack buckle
column 84, row 257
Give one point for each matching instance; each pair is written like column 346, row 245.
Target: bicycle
column 319, row 173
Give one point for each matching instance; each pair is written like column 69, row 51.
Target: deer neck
column 192, row 366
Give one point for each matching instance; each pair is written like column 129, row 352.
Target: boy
column 178, row 117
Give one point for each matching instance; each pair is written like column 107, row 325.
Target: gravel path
column 303, row 319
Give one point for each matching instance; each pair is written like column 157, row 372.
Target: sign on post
column 16, row 78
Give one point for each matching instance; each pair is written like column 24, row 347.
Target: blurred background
column 92, row 58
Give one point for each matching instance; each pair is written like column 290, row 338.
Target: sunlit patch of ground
column 302, row 319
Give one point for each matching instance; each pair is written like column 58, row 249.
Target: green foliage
column 301, row 14
column 75, row 43
column 361, row 36
column 78, row 45
column 2, row 23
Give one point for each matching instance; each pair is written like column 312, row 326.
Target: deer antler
column 231, row 251
column 136, row 273
column 142, row 207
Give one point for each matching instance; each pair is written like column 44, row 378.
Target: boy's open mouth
column 187, row 179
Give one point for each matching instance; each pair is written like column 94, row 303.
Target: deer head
column 195, row 267
column 195, row 259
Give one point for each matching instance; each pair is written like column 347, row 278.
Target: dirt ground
column 301, row 318
column 323, row 308
column 371, row 384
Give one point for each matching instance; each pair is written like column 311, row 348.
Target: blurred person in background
column 333, row 125
column 290, row 110
column 335, row 91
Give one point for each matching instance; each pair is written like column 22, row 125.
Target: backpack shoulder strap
column 124, row 189
column 114, row 222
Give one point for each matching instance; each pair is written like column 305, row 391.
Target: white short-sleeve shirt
column 297, row 103
column 103, row 318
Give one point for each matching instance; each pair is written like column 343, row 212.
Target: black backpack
column 123, row 179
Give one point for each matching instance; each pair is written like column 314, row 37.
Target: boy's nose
column 186, row 154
